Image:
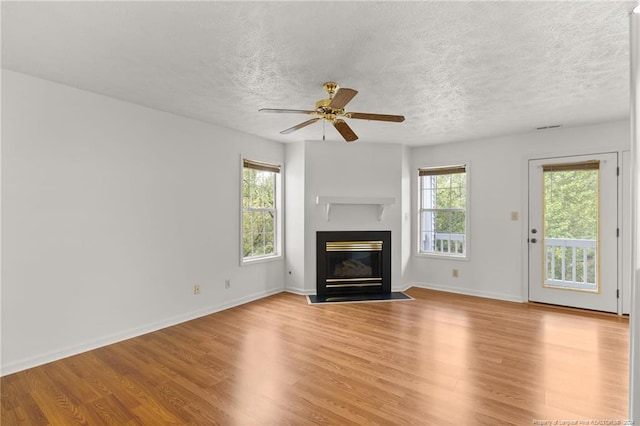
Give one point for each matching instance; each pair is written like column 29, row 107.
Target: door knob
column 533, row 240
column 534, row 230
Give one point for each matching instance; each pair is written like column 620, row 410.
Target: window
column 443, row 210
column 260, row 210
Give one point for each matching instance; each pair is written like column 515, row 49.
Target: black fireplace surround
column 353, row 262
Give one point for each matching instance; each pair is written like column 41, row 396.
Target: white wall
column 336, row 168
column 295, row 218
column 407, row 247
column 111, row 213
column 498, row 170
column 634, row 115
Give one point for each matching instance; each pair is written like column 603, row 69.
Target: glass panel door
column 573, row 248
column 570, row 232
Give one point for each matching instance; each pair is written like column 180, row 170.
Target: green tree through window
column 443, row 210
column 259, row 209
column 571, row 214
column 571, row 204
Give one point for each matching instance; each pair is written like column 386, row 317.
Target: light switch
column 514, row 215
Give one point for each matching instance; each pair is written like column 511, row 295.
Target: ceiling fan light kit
column 332, row 110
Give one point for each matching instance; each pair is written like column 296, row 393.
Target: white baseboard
column 45, row 358
column 404, row 287
column 299, row 291
column 470, row 292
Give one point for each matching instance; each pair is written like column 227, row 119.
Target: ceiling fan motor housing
column 328, row 113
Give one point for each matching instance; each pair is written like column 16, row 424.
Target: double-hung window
column 260, row 210
column 442, row 211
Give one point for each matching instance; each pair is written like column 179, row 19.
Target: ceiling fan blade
column 300, row 126
column 346, row 131
column 342, row 97
column 376, row 117
column 287, row 111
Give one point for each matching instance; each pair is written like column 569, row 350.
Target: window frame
column 277, row 209
column 419, row 212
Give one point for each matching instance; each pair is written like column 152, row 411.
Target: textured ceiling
column 456, row 70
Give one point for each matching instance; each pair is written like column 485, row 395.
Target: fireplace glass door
column 351, row 262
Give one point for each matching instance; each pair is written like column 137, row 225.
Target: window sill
column 254, row 260
column 459, row 257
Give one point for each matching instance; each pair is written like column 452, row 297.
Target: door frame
column 624, row 243
column 525, row 212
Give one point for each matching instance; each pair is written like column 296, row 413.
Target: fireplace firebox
column 353, row 262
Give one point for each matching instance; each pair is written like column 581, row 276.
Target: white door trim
column 524, row 288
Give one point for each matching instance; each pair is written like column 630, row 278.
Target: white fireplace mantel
column 379, row 202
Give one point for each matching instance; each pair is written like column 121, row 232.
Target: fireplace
column 353, row 262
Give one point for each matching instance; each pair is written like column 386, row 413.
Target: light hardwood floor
column 437, row 360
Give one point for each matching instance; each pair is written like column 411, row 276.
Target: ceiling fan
column 332, row 110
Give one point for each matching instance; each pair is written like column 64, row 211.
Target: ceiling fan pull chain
column 323, row 124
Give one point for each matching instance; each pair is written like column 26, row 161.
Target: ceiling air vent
column 555, row 126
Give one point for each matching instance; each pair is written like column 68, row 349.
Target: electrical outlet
column 455, row 273
column 227, row 283
column 196, row 289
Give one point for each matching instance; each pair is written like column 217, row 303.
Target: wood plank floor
column 437, row 360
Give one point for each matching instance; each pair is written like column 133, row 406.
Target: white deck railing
column 571, row 263
column 444, row 243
